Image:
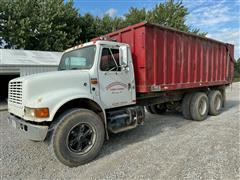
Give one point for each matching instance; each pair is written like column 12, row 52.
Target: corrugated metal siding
column 26, row 62
column 168, row 59
column 187, row 61
column 27, row 70
column 27, row 57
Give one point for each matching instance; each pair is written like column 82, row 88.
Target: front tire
column 78, row 137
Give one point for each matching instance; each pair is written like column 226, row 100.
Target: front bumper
column 30, row 131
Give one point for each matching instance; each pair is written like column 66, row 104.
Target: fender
column 55, row 100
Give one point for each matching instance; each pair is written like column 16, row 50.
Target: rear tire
column 78, row 137
column 158, row 108
column 223, row 92
column 186, row 106
column 199, row 106
column 215, row 102
column 148, row 108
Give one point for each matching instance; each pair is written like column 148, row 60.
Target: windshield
column 78, row 59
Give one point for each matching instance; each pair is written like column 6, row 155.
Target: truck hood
column 48, row 83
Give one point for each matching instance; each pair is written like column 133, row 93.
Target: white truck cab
column 85, row 95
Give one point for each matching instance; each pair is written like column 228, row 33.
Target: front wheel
column 78, row 137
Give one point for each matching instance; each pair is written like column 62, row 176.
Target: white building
column 15, row 63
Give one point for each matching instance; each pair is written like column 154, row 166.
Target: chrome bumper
column 30, row 131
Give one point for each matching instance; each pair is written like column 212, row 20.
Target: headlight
column 36, row 112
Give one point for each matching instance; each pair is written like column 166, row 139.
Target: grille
column 15, row 92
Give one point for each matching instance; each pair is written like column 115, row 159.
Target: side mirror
column 123, row 54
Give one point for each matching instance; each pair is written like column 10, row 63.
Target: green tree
column 104, row 25
column 39, row 24
column 57, row 25
column 117, row 23
column 108, row 24
column 96, row 26
column 237, row 70
column 134, row 16
column 170, row 13
column 88, row 27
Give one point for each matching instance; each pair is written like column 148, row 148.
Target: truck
column 106, row 85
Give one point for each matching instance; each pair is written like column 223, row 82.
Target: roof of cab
column 102, row 42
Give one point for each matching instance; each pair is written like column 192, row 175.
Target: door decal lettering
column 116, row 86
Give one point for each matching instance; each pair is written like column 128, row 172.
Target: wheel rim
column 81, row 138
column 202, row 107
column 217, row 103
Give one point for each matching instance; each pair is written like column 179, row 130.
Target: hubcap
column 81, row 138
column 202, row 107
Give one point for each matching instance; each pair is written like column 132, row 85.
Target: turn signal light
column 41, row 112
column 94, row 81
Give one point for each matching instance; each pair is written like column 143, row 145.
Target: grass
column 236, row 79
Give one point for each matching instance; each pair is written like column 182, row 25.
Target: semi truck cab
column 96, row 76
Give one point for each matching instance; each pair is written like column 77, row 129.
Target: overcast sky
column 219, row 18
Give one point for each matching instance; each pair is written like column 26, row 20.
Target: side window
column 110, row 60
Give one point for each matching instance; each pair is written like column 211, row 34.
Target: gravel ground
column 165, row 147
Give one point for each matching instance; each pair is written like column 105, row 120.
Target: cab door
column 116, row 84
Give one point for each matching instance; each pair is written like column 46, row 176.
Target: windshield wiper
column 62, row 69
column 75, row 69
